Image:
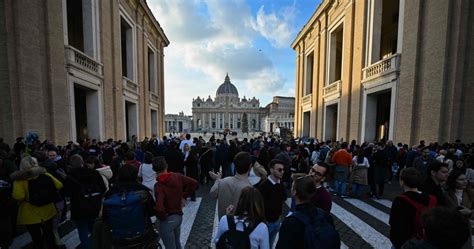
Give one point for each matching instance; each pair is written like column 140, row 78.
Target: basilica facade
column 226, row 111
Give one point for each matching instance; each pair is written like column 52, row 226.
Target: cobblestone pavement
column 362, row 223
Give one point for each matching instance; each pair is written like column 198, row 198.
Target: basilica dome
column 227, row 88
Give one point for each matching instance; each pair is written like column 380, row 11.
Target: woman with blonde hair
column 36, row 210
column 248, row 218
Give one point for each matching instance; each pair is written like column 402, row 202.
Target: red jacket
column 342, row 157
column 170, row 189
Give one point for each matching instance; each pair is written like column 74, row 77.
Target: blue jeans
column 170, row 231
column 273, row 228
column 340, row 179
column 356, row 188
column 84, row 229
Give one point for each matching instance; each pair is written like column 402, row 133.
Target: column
column 375, row 31
column 210, row 121
column 401, row 17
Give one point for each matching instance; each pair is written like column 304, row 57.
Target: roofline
column 155, row 22
column 284, row 97
column 321, row 7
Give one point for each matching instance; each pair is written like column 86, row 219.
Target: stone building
column 226, row 111
column 76, row 69
column 178, row 123
column 386, row 69
column 279, row 113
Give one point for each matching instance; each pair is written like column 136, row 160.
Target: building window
column 126, row 39
column 335, row 54
column 308, row 80
column 81, row 24
column 151, row 70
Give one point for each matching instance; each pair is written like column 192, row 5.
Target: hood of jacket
column 105, row 171
column 169, row 179
column 27, row 174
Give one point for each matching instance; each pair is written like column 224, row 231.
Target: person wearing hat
column 37, row 219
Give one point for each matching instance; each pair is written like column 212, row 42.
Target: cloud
column 212, row 37
column 275, row 28
column 264, row 80
column 181, row 21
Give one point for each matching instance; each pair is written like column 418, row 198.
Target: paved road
column 361, row 223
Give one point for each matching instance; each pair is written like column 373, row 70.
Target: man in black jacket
column 424, row 163
column 433, row 184
column 86, row 188
column 274, row 195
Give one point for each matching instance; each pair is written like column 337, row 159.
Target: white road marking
column 71, row 240
column 214, row 228
column 189, row 215
column 384, row 202
column 374, row 212
column 368, row 233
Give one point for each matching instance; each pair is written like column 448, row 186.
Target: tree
column 245, row 123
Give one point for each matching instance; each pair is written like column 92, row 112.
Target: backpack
column 420, row 209
column 89, row 198
column 42, row 191
column 319, row 232
column 233, row 238
column 322, row 154
column 125, row 214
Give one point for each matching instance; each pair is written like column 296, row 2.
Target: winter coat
column 467, row 200
column 359, row 171
column 381, row 169
column 170, row 189
column 191, row 164
column 27, row 213
column 73, row 188
column 292, row 230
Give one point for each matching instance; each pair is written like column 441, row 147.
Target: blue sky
column 248, row 39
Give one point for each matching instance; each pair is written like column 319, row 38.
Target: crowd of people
column 113, row 188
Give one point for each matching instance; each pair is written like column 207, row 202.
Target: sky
column 248, row 39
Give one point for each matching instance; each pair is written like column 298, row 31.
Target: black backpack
column 42, row 191
column 234, row 239
column 89, row 198
column 319, row 232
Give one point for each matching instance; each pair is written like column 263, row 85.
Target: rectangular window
column 151, row 71
column 75, row 27
column 154, row 122
column 335, row 55
column 126, row 39
column 309, row 74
